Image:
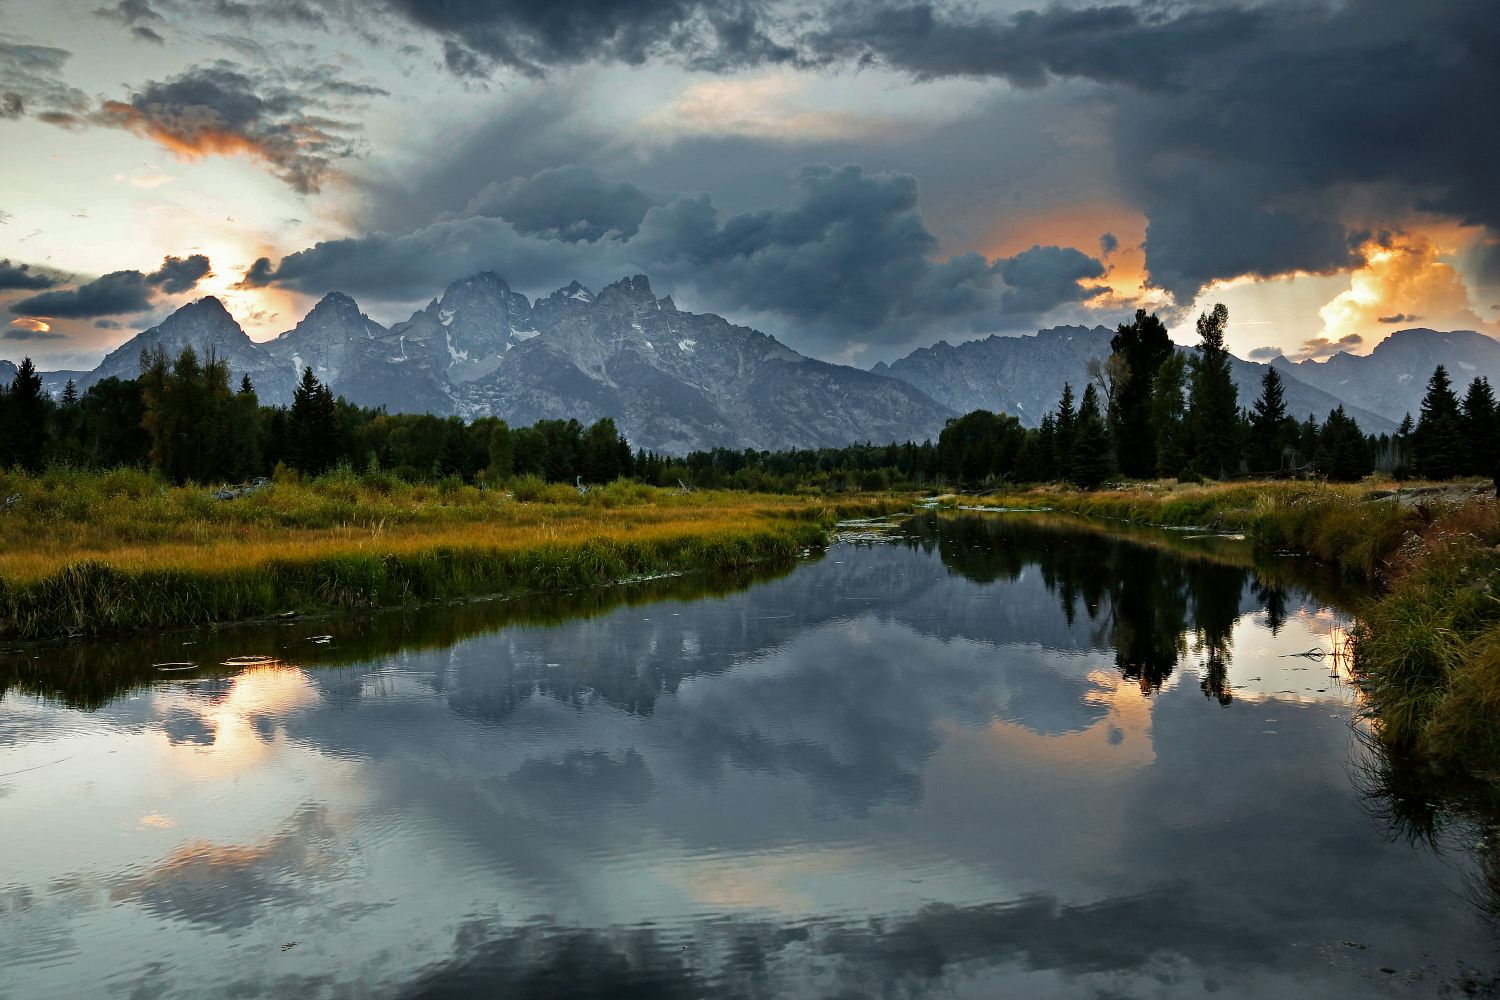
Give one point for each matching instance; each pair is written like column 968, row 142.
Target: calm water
column 998, row 758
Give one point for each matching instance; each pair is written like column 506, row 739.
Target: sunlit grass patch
column 84, row 553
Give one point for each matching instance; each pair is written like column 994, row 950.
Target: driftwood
column 244, row 489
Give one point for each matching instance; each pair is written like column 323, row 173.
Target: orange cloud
column 1404, row 278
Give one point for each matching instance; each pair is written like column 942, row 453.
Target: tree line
column 182, row 418
column 1148, row 410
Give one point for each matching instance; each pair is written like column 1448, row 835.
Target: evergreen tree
column 67, row 445
column 1403, row 442
column 453, row 454
column 502, row 452
column 1066, row 429
column 1141, row 347
column 26, row 417
column 1480, row 431
column 1044, row 467
column 312, row 431
column 1213, row 403
column 1436, row 442
column 1271, row 431
column 1091, row 443
column 1342, row 454
column 1168, row 417
column 1307, row 441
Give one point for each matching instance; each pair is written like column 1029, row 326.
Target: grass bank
column 1353, row 527
column 84, row 554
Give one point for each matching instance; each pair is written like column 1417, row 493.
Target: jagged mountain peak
column 635, row 288
column 572, row 291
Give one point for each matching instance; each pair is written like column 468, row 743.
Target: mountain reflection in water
column 1000, row 755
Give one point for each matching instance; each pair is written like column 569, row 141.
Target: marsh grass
column 1428, row 648
column 85, row 553
column 1351, row 527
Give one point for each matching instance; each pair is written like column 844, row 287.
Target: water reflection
column 978, row 761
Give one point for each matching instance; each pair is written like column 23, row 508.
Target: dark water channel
column 1003, row 756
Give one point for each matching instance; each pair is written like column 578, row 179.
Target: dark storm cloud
column 31, row 81
column 1265, row 353
column 179, row 274
column 258, row 275
column 534, row 35
column 847, row 259
column 569, row 202
column 26, row 333
column 1029, row 47
column 117, row 292
column 1042, row 278
column 224, row 109
column 138, row 16
column 21, row 276
column 1398, row 318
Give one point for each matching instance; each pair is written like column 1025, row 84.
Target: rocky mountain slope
column 206, row 326
column 673, row 381
column 1392, row 379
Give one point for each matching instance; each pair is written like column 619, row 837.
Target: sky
column 857, row 179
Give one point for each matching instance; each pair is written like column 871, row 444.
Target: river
column 999, row 755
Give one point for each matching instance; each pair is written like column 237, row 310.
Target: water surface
column 1004, row 756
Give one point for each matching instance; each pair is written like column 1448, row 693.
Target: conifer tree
column 1343, row 454
column 1403, row 442
column 1213, row 404
column 1271, row 430
column 1044, row 467
column 1064, row 434
column 1436, row 441
column 1091, row 443
column 1480, row 432
column 1141, row 346
column 25, row 420
column 312, row 429
column 502, row 452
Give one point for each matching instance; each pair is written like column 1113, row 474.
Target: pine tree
column 1141, row 347
column 1091, row 443
column 502, row 452
column 1403, row 442
column 1168, row 417
column 1065, row 434
column 1213, row 403
column 1343, row 454
column 1480, row 430
column 601, row 458
column 312, row 429
column 1044, row 467
column 26, row 419
column 1271, row 430
column 1436, row 441
column 453, row 454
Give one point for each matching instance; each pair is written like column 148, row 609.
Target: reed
column 82, row 553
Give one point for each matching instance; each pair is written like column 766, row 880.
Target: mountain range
column 676, row 381
column 1024, row 376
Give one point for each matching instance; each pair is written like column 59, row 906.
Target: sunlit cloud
column 770, row 107
column 1404, row 278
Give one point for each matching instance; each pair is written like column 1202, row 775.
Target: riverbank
column 1427, row 643
column 88, row 554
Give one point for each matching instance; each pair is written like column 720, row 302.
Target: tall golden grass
column 85, row 553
